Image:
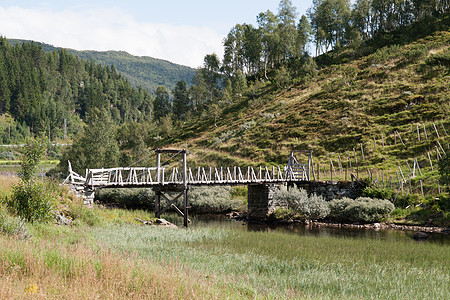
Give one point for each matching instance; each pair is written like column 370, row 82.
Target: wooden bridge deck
column 161, row 176
column 201, row 176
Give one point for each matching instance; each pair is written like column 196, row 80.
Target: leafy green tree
column 233, row 51
column 239, row 84
column 132, row 141
column 181, row 100
column 96, row 147
column 199, row 92
column 268, row 25
column 211, row 74
column 161, row 104
column 287, row 14
column 252, row 50
column 33, row 151
column 31, row 199
column 362, row 18
column 329, row 20
column 304, row 32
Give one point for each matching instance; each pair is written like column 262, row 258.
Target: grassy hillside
column 373, row 108
column 142, row 71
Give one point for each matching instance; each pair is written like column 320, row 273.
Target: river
column 220, row 221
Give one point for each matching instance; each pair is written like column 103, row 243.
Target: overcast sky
column 181, row 31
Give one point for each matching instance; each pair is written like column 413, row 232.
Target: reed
column 275, row 265
column 54, row 269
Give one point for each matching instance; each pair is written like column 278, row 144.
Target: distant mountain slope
column 142, row 71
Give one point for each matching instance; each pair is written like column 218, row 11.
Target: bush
column 33, row 201
column 14, row 226
column 213, row 199
column 130, row 198
column 311, row 207
column 83, row 215
column 440, row 59
column 362, row 209
column 377, row 193
column 7, row 155
column 444, row 171
column 201, row 199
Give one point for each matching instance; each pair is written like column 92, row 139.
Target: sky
column 180, row 31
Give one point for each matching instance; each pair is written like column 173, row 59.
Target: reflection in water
column 219, row 221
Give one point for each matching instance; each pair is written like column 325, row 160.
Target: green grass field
column 116, row 258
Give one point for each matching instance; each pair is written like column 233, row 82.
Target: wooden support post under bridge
column 160, row 189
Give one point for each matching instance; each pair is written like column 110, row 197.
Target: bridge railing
column 141, row 176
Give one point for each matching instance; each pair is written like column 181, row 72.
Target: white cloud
column 111, row 29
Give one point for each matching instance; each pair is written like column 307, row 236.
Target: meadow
column 117, row 258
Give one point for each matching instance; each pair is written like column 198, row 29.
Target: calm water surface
column 218, row 221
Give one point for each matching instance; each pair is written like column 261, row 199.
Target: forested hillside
column 39, row 90
column 147, row 72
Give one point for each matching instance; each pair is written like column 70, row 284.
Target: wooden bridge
column 179, row 178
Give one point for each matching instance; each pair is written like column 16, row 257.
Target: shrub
column 444, row 171
column 377, row 193
column 7, row 155
column 33, row 201
column 83, row 215
column 362, row 209
column 14, row 226
column 201, row 199
column 440, row 59
column 130, row 198
column 416, row 53
column 311, row 207
column 213, row 199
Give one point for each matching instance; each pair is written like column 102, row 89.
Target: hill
column 142, row 71
column 376, row 108
column 41, row 92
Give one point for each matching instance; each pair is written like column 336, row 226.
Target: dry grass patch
column 53, row 270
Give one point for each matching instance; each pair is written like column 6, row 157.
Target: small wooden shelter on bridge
column 179, row 178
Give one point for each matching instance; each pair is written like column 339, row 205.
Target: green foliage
column 7, row 155
column 312, row 207
column 33, row 151
column 130, row 198
column 443, row 202
column 96, row 147
column 406, row 200
column 30, row 199
column 363, row 209
column 14, row 226
column 83, row 215
column 440, row 59
column 213, row 199
column 33, row 201
column 39, row 90
column 385, row 54
column 162, row 105
column 378, row 193
column 444, row 171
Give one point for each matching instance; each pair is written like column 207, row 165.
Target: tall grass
column 265, row 265
column 59, row 270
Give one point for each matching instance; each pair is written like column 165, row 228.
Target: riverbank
column 242, row 216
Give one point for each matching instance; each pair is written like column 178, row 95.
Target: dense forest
column 140, row 71
column 41, row 91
